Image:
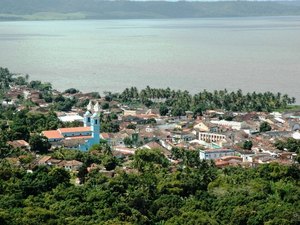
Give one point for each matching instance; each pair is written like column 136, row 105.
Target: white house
column 213, row 154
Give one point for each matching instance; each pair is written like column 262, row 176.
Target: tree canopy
column 176, row 103
column 157, row 194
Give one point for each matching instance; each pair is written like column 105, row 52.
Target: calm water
column 261, row 54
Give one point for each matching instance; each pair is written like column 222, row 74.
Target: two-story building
column 213, row 154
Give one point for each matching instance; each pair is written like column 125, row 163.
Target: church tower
column 87, row 115
column 95, row 124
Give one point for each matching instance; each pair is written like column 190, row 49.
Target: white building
column 70, row 117
column 213, row 154
column 210, row 137
column 296, row 135
column 233, row 124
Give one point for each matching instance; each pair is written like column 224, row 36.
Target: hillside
column 98, row 9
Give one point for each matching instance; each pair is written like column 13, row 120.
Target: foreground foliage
column 154, row 194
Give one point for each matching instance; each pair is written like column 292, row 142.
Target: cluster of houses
column 213, row 137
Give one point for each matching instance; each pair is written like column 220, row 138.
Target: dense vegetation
column 155, row 193
column 99, row 9
column 178, row 102
column 289, row 144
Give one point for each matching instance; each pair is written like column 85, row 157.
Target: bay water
column 252, row 54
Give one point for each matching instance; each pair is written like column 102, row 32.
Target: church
column 81, row 138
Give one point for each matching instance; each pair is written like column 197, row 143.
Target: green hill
column 98, row 9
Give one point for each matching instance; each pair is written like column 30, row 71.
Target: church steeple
column 93, row 121
column 88, row 114
column 97, row 107
column 90, row 106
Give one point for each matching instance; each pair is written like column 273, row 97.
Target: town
column 229, row 138
column 143, row 157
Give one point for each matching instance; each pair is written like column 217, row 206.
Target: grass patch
column 289, row 108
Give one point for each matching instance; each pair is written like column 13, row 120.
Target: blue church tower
column 95, row 126
column 92, row 121
column 87, row 119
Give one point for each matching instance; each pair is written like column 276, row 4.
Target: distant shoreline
column 32, row 10
column 154, row 19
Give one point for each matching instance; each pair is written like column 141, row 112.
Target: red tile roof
column 52, row 134
column 105, row 135
column 44, row 159
column 228, row 158
column 74, row 129
column 18, row 143
column 221, row 163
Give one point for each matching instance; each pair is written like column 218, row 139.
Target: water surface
column 261, row 54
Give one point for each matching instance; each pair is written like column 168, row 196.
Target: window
column 89, row 119
column 96, row 121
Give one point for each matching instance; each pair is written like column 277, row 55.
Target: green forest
column 153, row 193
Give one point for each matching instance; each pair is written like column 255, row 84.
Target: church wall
column 71, row 134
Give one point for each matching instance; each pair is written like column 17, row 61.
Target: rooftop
column 79, row 137
column 218, row 150
column 52, row 134
column 74, row 129
column 18, row 143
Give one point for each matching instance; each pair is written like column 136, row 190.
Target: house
column 82, row 138
column 277, row 134
column 167, row 144
column 261, row 158
column 120, row 151
column 44, row 160
column 201, row 127
column 129, row 112
column 72, row 165
column 213, row 154
column 230, row 124
column 228, row 161
column 245, row 155
column 117, row 139
column 22, row 144
column 182, row 136
column 155, row 145
column 287, row 158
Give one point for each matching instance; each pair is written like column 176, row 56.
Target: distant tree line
column 178, row 102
